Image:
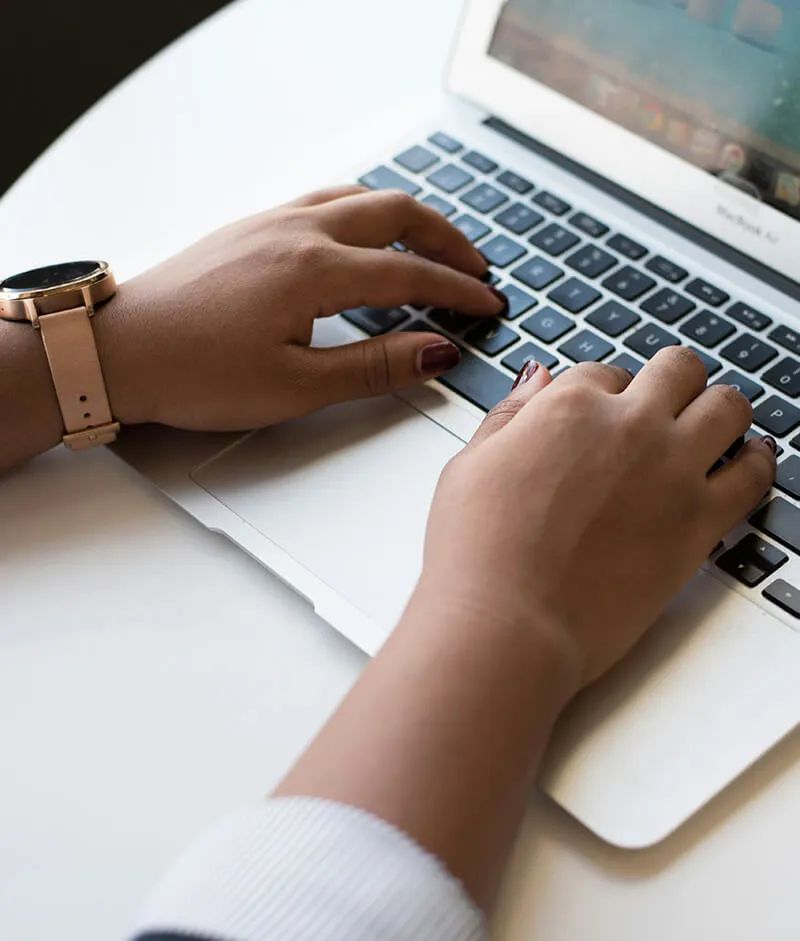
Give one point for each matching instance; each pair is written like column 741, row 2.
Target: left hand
column 217, row 338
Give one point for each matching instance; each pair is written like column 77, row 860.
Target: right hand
column 583, row 505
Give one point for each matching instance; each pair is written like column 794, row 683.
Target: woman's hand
column 579, row 511
column 217, row 338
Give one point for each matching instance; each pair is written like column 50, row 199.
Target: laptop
column 631, row 170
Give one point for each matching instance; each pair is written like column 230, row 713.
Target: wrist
column 531, row 638
column 128, row 382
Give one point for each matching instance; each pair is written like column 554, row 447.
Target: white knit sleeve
column 301, row 869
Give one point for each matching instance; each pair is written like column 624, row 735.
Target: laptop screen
column 716, row 82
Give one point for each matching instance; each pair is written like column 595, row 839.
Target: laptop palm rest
column 345, row 492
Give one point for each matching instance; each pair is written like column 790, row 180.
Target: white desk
column 187, row 679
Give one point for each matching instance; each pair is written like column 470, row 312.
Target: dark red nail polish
column 438, row 357
column 771, row 443
column 527, row 372
column 503, row 312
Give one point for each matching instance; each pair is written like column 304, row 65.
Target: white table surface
column 151, row 676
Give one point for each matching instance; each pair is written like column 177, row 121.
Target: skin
column 556, row 537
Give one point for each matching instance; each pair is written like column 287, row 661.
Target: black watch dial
column 40, row 279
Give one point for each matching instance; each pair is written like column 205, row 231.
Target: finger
column 371, row 367
column 378, row 219
column 714, row 421
column 672, row 379
column 611, row 379
column 738, row 487
column 532, row 378
column 376, row 278
column 329, row 195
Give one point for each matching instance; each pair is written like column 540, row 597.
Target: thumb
column 532, row 378
column 377, row 366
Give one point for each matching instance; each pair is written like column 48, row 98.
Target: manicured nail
column 771, row 443
column 527, row 372
column 438, row 357
column 503, row 312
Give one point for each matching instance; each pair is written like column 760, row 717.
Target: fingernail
column 438, row 357
column 503, row 300
column 771, row 443
column 527, row 372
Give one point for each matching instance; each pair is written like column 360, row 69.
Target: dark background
column 59, row 57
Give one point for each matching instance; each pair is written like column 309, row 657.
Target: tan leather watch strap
column 71, row 350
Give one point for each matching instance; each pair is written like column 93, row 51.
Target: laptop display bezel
column 665, row 180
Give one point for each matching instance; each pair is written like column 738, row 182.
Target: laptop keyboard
column 579, row 291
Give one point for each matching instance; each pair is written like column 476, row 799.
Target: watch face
column 53, row 276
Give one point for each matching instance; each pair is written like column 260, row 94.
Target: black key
column 552, row 203
column 586, row 347
column 382, row 178
column 446, row 143
column 752, row 560
column 537, row 273
column 712, row 365
column 574, row 295
column 752, row 390
column 748, row 352
column 416, row 159
column 788, row 479
column 517, row 359
column 707, row 292
column 375, row 321
column 613, row 318
column 784, row 595
column 589, row 225
column 419, row 326
column 786, row 337
column 777, row 417
column 627, row 247
column 440, row 205
column 484, row 164
column 477, row 381
column 781, row 520
column 667, row 269
column 554, row 239
column 450, row 178
column 547, row 324
column 628, row 283
column 518, row 301
column 650, row 339
column 741, row 567
column 749, row 316
column 591, row 261
column 450, row 319
column 502, row 251
column 626, row 361
column 707, row 328
column 518, row 219
column 484, row 198
column 473, row 228
column 515, row 182
column 490, row 337
column 785, row 377
column 668, row 306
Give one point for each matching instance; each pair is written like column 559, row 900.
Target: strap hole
column 87, row 414
column 83, row 398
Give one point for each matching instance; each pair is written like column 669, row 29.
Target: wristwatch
column 58, row 301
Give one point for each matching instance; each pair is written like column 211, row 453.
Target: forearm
column 29, row 413
column 443, row 734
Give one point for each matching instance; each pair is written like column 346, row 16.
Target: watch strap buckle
column 92, row 437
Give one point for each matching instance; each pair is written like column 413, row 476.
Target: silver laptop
column 631, row 170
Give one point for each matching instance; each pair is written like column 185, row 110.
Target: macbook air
column 631, row 171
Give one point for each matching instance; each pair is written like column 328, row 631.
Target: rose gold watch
column 59, row 301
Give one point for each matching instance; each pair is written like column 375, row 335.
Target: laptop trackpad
column 345, row 492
